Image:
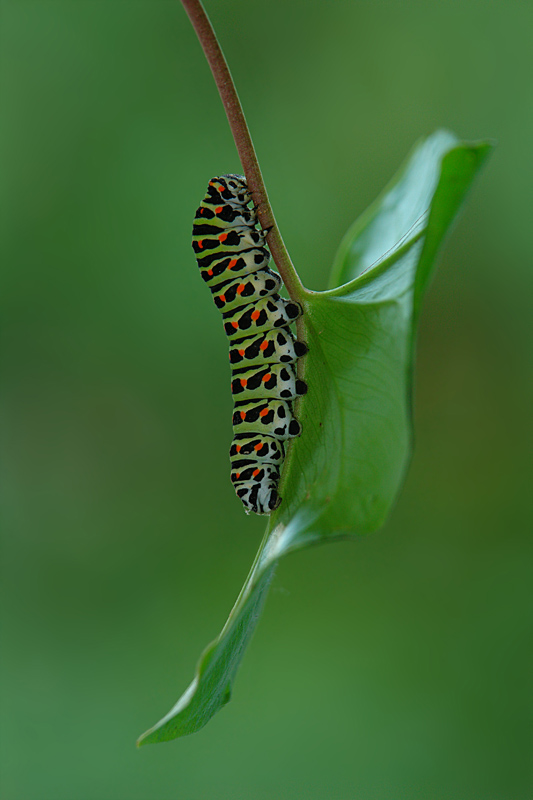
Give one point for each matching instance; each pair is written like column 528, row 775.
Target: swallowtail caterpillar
column 233, row 261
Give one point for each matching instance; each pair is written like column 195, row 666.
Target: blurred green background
column 397, row 667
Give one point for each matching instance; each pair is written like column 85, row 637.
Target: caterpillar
column 233, row 260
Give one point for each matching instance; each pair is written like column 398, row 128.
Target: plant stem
column 244, row 144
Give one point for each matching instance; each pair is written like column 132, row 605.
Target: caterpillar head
column 232, row 188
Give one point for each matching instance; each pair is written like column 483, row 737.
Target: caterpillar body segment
column 248, row 471
column 273, row 417
column 278, row 345
column 268, row 313
column 257, row 446
column 216, row 269
column 236, row 239
column 218, row 214
column 279, row 379
column 246, row 290
column 215, row 220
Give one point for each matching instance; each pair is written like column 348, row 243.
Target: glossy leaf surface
column 343, row 474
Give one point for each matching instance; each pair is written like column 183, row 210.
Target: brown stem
column 244, row 144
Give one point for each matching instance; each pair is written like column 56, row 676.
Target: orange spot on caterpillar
column 241, row 352
column 255, row 315
column 201, row 244
column 256, row 472
column 263, row 345
column 237, row 475
column 222, row 237
column 258, row 447
column 264, row 412
column 240, row 288
column 235, row 324
column 238, row 448
column 218, row 209
column 222, row 297
column 267, row 377
column 209, row 271
column 243, row 382
column 232, row 264
column 243, row 415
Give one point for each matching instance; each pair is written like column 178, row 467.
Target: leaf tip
column 147, row 737
column 142, row 740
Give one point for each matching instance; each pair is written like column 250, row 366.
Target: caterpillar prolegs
column 233, row 261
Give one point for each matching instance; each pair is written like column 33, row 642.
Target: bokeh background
column 396, row 667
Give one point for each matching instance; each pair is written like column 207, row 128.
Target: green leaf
column 343, row 474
